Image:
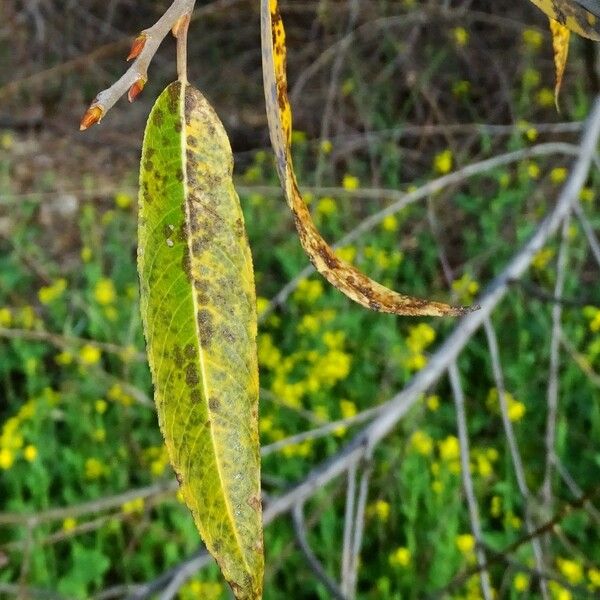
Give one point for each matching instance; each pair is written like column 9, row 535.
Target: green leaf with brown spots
column 199, row 313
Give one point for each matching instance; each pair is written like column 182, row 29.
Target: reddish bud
column 91, row 117
column 137, row 46
column 136, row 89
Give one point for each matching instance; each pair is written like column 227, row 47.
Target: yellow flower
column 99, row 434
column 541, row 258
column 531, row 78
column 94, row 469
column 69, row 524
column 587, row 195
column 496, row 506
column 350, row 182
column 420, row 337
column 49, row 293
column 348, row 409
column 516, row 410
column 7, row 458
column 558, row 175
column 326, row 206
column 5, row 317
column 89, row 355
column 326, row 146
column 433, row 402
column 594, row 578
column 559, row 592
column 27, row 317
column 308, row 291
column 484, row 466
column 30, row 453
column 108, row 217
column 442, row 163
column 6, row 140
column 133, row 506
column 465, row 543
column 123, row 200
column 465, row 288
column 400, row 557
column 261, row 305
column 63, row 358
column 421, row 442
column 347, row 253
column 593, row 314
column 532, row 38
column 415, row 362
column 571, row 571
column 545, row 98
column 461, row 88
column 379, row 509
column 86, row 254
column 449, row 448
column 437, row 487
column 533, row 170
column 389, row 223
column 334, row 367
column 100, row 406
column 461, row 36
column 104, row 292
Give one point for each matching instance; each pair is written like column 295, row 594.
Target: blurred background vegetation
column 387, row 99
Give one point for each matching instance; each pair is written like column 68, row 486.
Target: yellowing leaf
column 579, row 16
column 199, row 313
column 560, row 43
column 338, row 272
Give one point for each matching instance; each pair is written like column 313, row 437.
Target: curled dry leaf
column 198, row 308
column 345, row 277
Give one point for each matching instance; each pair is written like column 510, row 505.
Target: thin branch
column 311, row 558
column 347, row 539
column 463, row 436
column 588, row 230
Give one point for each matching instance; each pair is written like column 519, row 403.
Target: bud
column 137, row 46
column 136, row 89
column 92, row 116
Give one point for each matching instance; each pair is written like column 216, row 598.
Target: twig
column 580, row 360
column 463, row 436
column 513, row 447
column 347, row 539
column 311, row 558
column 575, row 489
column 143, row 50
column 588, row 230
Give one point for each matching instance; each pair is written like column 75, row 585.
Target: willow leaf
column 579, row 16
column 349, row 280
column 199, row 313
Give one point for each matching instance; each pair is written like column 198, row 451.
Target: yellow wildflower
column 104, row 292
column 63, row 358
column 593, row 314
column 350, row 182
column 5, row 317
column 571, row 571
column 594, row 578
column 532, row 38
column 465, row 288
column 516, row 410
column 7, row 458
column 416, row 362
column 27, row 317
column 558, row 175
column 49, row 293
column 326, row 146
column 308, row 291
column 433, row 402
column 380, row 509
column 531, row 77
column 334, row 366
column 437, row 487
column 261, row 305
column 541, row 258
column 461, row 36
column 400, row 557
column 268, row 354
column 421, row 442
column 100, row 406
column 521, row 582
column 89, row 355
column 587, row 195
column 348, row 409
column 334, row 340
column 559, row 592
column 326, row 206
column 86, row 254
column 545, row 97
column 389, row 223
column 465, row 543
column 461, row 88
column 94, row 469
column 123, row 200
column 443, row 161
column 133, row 506
column 420, row 337
column 347, row 253
column 30, row 453
column 69, row 524
column 533, row 170
column 449, row 448
column 496, row 506
column 108, row 217
column 99, row 434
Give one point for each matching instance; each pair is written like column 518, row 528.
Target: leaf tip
column 92, row 116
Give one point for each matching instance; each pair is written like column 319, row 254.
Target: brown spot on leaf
column 191, row 375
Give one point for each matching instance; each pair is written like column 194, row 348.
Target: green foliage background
column 77, row 423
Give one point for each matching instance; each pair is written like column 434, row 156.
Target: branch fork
column 144, row 47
